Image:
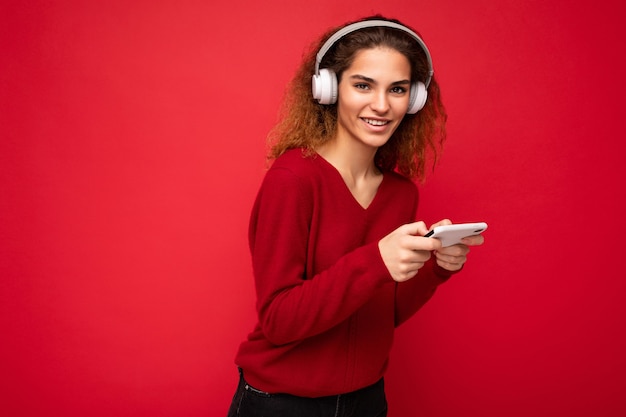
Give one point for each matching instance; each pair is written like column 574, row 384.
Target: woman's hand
column 405, row 250
column 454, row 257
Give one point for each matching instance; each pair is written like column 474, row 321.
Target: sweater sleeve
column 292, row 306
column 411, row 295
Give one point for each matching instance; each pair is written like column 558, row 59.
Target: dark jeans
column 251, row 402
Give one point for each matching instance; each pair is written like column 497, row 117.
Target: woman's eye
column 398, row 90
column 361, row 86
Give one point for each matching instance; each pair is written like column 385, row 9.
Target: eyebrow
column 373, row 81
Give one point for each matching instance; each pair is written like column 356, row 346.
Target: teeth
column 375, row 122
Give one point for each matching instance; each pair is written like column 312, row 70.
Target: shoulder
column 399, row 181
column 400, row 191
column 297, row 165
column 294, row 160
column 286, row 191
column 291, row 171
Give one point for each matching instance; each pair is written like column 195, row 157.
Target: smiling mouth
column 375, row 122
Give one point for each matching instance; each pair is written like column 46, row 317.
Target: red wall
column 131, row 148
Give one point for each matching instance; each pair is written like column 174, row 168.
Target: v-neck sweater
column 327, row 306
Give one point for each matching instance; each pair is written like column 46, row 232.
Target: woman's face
column 373, row 96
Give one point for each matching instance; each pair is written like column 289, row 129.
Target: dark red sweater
column 327, row 306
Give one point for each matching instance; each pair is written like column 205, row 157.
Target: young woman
column 338, row 258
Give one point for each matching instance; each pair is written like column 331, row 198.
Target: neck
column 353, row 162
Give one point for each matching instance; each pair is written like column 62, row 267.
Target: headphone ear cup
column 417, row 98
column 324, row 86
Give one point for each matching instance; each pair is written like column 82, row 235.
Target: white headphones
column 324, row 83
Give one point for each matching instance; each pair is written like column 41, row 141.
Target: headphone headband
column 367, row 24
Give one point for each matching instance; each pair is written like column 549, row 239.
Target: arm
column 413, row 294
column 291, row 305
column 407, row 256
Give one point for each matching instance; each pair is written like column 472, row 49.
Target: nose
column 380, row 102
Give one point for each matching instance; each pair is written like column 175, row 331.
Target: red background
column 132, row 146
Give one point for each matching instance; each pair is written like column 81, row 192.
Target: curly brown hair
column 304, row 123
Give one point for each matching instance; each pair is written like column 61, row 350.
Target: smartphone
column 453, row 233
